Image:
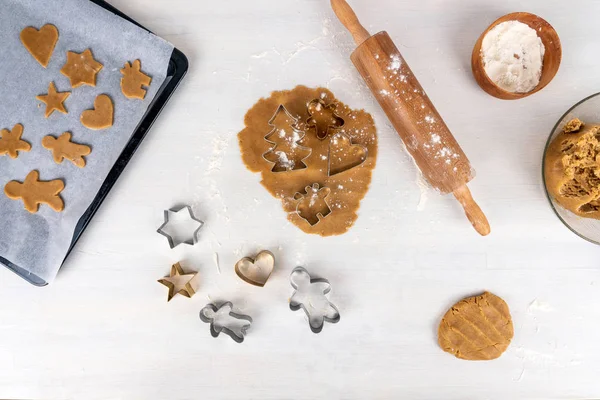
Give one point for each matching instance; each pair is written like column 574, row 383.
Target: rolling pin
column 421, row 128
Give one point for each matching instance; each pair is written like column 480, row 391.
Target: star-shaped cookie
column 173, row 282
column 54, row 100
column 11, row 143
column 81, row 68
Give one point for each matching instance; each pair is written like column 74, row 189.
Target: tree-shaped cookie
column 312, row 205
column 286, row 154
column 133, row 79
column 35, row 192
column 11, row 143
column 310, row 296
column 62, row 148
column 323, row 118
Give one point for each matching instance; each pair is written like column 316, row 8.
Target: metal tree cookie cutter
column 312, row 206
column 285, row 137
column 193, row 239
column 223, row 319
column 256, row 271
column 344, row 155
column 310, row 296
column 323, row 117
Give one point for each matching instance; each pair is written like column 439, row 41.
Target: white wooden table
column 104, row 330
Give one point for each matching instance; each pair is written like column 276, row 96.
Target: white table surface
column 104, row 330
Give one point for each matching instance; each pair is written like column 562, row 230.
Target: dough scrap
column 572, row 169
column 133, row 80
column 40, row 43
column 54, row 100
column 477, row 328
column 101, row 116
column 346, row 189
column 81, row 68
column 62, row 148
column 34, row 192
column 11, row 143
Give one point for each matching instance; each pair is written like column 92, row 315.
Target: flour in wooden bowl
column 513, row 56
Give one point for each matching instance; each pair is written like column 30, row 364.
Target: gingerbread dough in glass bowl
column 572, row 168
column 314, row 153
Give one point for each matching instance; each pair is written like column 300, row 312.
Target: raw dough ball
column 572, row 169
column 477, row 328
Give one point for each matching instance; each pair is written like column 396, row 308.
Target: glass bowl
column 587, row 110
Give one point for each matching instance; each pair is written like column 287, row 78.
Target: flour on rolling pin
column 426, row 136
column 422, row 129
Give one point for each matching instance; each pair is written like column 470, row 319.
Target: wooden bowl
column 551, row 62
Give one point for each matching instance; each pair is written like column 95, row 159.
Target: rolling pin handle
column 349, row 19
column 472, row 210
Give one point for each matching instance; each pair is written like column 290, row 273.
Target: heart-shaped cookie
column 256, row 271
column 343, row 155
column 40, row 43
column 101, row 116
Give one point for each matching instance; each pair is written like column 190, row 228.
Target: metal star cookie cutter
column 283, row 164
column 309, row 295
column 194, row 237
column 216, row 317
column 321, row 131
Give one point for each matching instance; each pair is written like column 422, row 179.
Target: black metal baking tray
column 178, row 66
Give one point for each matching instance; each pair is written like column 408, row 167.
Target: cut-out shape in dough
column 81, row 68
column 54, row 100
column 223, row 319
column 287, row 154
column 62, row 148
column 347, row 189
column 101, row 116
column 11, row 143
column 312, row 205
column 40, row 43
column 323, row 118
column 133, row 81
column 476, row 328
column 343, row 155
column 310, row 296
column 34, row 192
column 256, row 271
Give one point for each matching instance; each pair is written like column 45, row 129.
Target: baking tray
column 178, row 66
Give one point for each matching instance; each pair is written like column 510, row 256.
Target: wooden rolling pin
column 412, row 114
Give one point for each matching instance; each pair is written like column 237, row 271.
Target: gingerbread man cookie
column 62, row 148
column 34, row 192
column 81, row 68
column 11, row 143
column 133, row 80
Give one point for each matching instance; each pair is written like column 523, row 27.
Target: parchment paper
column 38, row 243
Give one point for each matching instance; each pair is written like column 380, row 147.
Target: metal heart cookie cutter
column 223, row 319
column 310, row 296
column 256, row 271
column 192, row 239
